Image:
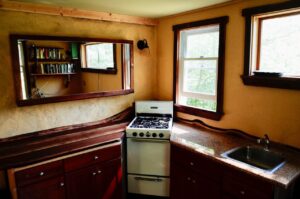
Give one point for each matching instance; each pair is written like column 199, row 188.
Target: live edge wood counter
column 47, row 146
column 211, row 144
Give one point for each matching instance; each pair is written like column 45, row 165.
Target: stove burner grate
column 151, row 122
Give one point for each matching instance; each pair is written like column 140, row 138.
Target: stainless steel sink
column 256, row 156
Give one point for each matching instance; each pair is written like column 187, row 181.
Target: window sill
column 198, row 112
column 95, row 70
column 273, row 82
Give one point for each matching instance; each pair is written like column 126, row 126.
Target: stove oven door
column 148, row 157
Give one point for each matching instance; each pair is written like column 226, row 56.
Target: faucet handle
column 258, row 140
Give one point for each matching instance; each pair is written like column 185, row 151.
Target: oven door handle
column 148, row 140
column 148, row 179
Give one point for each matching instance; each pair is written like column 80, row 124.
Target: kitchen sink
column 256, row 156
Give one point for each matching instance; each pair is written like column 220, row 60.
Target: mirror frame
column 17, row 77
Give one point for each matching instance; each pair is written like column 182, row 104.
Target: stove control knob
column 134, row 134
column 147, row 134
column 154, row 135
column 141, row 134
column 161, row 135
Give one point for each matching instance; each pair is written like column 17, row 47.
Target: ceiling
column 142, row 8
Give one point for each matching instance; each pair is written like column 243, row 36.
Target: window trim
column 221, row 21
column 85, row 68
column 247, row 77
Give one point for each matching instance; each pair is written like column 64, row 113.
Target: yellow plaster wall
column 256, row 110
column 19, row 120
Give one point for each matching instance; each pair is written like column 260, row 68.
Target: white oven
column 148, row 149
column 151, row 158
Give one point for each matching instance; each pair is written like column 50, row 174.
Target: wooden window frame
column 85, row 68
column 270, row 11
column 221, row 21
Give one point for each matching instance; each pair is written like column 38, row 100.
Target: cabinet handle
column 99, row 171
column 62, row 184
column 148, row 179
column 94, row 173
column 42, row 173
column 96, row 157
column 242, row 192
column 191, row 163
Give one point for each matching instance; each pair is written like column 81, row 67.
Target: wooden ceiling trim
column 75, row 13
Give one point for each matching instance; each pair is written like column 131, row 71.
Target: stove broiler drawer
column 147, row 185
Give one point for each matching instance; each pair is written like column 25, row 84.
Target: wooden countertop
column 212, row 143
column 47, row 144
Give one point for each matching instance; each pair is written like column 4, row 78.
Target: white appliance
column 148, row 148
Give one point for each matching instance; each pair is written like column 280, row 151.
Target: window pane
column 202, row 42
column 100, row 56
column 210, row 105
column 280, row 45
column 200, row 76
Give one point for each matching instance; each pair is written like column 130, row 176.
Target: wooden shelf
column 51, row 60
column 51, row 74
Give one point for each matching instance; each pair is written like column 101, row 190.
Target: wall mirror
column 54, row 69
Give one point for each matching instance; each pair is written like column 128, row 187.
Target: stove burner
column 151, row 122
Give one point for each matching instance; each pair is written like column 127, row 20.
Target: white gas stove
column 148, row 148
column 153, row 120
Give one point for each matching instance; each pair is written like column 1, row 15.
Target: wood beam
column 73, row 12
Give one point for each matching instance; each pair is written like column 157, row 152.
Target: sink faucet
column 266, row 141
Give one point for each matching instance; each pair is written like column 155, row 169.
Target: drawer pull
column 94, row 173
column 96, row 157
column 62, row 184
column 191, row 163
column 242, row 192
column 42, row 173
column 148, row 179
column 99, row 171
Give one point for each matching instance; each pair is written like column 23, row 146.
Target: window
column 99, row 56
column 199, row 66
column 272, row 56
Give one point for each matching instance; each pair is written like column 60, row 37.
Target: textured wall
column 256, row 110
column 19, row 120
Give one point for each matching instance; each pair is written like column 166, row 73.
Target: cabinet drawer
column 38, row 173
column 197, row 162
column 86, row 159
column 240, row 185
column 52, row 188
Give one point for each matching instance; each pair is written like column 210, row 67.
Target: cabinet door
column 180, row 187
column 239, row 185
column 47, row 189
column 108, row 184
column 79, row 183
column 101, row 181
column 186, row 183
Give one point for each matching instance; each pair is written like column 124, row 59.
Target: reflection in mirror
column 99, row 55
column 50, row 67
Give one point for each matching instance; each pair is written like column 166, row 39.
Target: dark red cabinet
column 94, row 174
column 103, row 181
column 191, row 178
column 238, row 185
column 53, row 188
column 195, row 176
column 188, row 184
